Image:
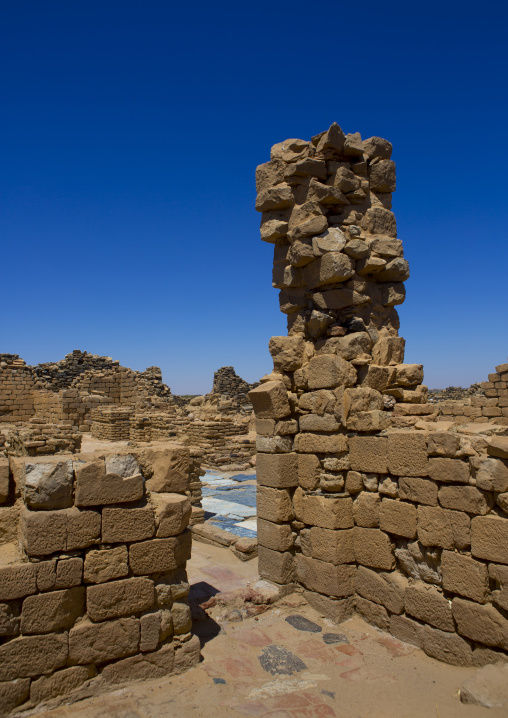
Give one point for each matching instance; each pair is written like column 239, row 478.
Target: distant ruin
column 371, row 498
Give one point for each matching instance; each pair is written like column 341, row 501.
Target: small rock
column 279, row 661
column 303, row 624
column 487, row 687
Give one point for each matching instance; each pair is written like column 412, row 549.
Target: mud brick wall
column 99, row 590
column 111, row 424
column 222, row 440
column 495, row 404
column 358, row 507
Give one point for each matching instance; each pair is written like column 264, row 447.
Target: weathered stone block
column 326, row 577
column 369, row 454
column 100, row 642
column 277, row 537
column 452, row 471
column 60, row 683
column 83, row 528
column 17, row 581
column 406, row 630
column 274, row 504
column 330, row 546
column 489, row 538
column 366, row 509
column 328, row 512
column 491, row 473
column 127, row 524
column 53, row 611
column 69, row 573
column 156, row 664
column 119, row 598
column 277, row 471
column 427, row 604
column 48, row 484
column 105, row 565
column 95, row 487
column 407, row 453
column 150, row 626
column 326, row 371
column 275, row 566
column 287, row 352
column 398, row 517
column 446, row 647
column 182, row 619
column 480, row 623
column 172, row 513
column 321, row 443
column 270, row 400
column 421, row 491
column 309, row 471
column 168, row 469
column 465, row 498
column 444, row 528
column 4, row 480
column 465, row 576
column 373, row 548
column 274, row 444
column 387, row 589
column 29, row 656
column 160, row 555
column 443, row 443
column 315, row 422
column 373, row 613
column 13, row 694
column 46, row 532
column 337, row 610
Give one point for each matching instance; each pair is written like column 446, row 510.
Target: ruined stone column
column 362, row 504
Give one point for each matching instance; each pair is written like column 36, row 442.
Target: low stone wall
column 99, row 590
column 368, row 500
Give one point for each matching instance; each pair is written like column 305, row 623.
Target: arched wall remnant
column 366, row 501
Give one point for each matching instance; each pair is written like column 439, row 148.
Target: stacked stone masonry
column 369, row 500
column 93, row 550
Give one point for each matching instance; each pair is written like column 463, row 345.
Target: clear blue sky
column 130, row 132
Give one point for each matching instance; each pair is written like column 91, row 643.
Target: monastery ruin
column 371, row 498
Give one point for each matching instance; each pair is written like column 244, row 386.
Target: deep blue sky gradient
column 129, row 136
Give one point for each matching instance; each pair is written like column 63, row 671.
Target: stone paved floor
column 278, row 665
column 229, row 501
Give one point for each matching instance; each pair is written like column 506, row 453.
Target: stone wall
column 16, row 385
column 367, row 501
column 227, row 383
column 93, row 585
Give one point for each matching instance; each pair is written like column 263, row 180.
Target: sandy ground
column 266, row 665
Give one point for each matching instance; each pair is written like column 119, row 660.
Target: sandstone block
column 335, row 547
column 274, row 504
column 442, row 527
column 13, row 694
column 123, row 465
column 327, row 371
column 373, row 548
column 498, row 446
column 270, row 400
column 48, row 532
column 369, row 454
column 332, row 267
column 150, row 626
column 314, row 422
column 9, row 619
column 446, row 647
column 421, row 491
column 328, row 512
column 489, row 538
column 309, row 471
column 156, row 664
column 407, row 453
column 29, row 656
column 277, row 537
column 168, row 469
column 60, row 683
column 172, row 514
column 465, row 498
column 376, row 377
column 465, row 576
column 406, row 630
column 366, row 509
column 398, row 517
column 287, row 352
column 387, row 589
column 389, row 350
column 274, row 444
column 53, row 611
column 48, row 484
column 265, row 427
column 105, row 565
column 452, row 471
column 95, row 487
column 100, row 642
column 442, row 443
column 354, row 482
column 160, row 555
column 326, row 578
column 69, row 573
column 279, row 471
column 187, row 655
column 83, row 528
column 17, row 581
column 279, row 197
column 427, row 604
column 4, row 480
column 119, row 598
column 127, row 524
column 275, row 566
column 491, row 473
column 321, row 443
column 480, row 623
column 373, row 613
column 337, row 610
column 182, row 619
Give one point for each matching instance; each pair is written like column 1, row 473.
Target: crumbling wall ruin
column 93, row 550
column 367, row 500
